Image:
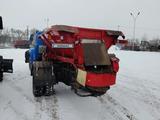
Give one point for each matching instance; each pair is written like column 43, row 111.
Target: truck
column 75, row 56
column 5, row 64
column 21, row 44
column 150, row 46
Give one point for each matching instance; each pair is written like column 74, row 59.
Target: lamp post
column 134, row 27
column 27, row 32
column 47, row 22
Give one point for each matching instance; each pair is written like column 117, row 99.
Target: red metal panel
column 79, row 57
column 100, row 80
column 65, row 28
column 90, row 34
column 74, row 35
column 115, row 63
column 71, row 34
column 115, row 33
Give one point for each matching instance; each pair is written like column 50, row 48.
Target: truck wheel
column 43, row 78
column 48, row 90
column 1, row 76
column 31, row 68
column 1, row 73
column 27, row 56
column 37, row 90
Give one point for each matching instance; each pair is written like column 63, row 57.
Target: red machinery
column 79, row 58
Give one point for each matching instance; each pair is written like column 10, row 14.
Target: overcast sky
column 108, row 14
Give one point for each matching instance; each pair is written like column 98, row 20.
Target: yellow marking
column 81, row 77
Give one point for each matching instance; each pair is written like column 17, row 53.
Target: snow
column 135, row 96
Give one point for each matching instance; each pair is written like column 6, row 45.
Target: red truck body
column 86, row 50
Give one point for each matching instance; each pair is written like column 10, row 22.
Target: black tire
column 1, row 57
column 1, row 76
column 31, row 68
column 42, row 84
column 27, row 56
column 37, row 90
column 1, row 73
column 48, row 90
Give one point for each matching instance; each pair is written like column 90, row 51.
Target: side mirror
column 1, row 23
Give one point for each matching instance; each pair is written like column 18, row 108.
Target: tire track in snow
column 20, row 90
column 51, row 106
column 9, row 106
column 116, row 109
column 47, row 105
column 38, row 109
column 17, row 112
column 109, row 109
column 155, row 102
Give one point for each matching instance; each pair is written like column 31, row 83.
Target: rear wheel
column 1, row 76
column 37, row 90
column 48, row 90
column 43, row 79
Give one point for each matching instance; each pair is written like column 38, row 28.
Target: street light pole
column 27, row 32
column 134, row 27
column 118, row 27
column 47, row 22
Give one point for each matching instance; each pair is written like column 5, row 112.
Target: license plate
column 56, row 45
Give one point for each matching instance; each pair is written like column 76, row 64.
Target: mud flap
column 43, row 78
column 95, row 54
column 43, row 73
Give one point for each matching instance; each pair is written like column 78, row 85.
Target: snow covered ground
column 136, row 96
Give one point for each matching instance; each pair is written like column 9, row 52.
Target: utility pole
column 118, row 27
column 134, row 27
column 27, row 32
column 47, row 22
